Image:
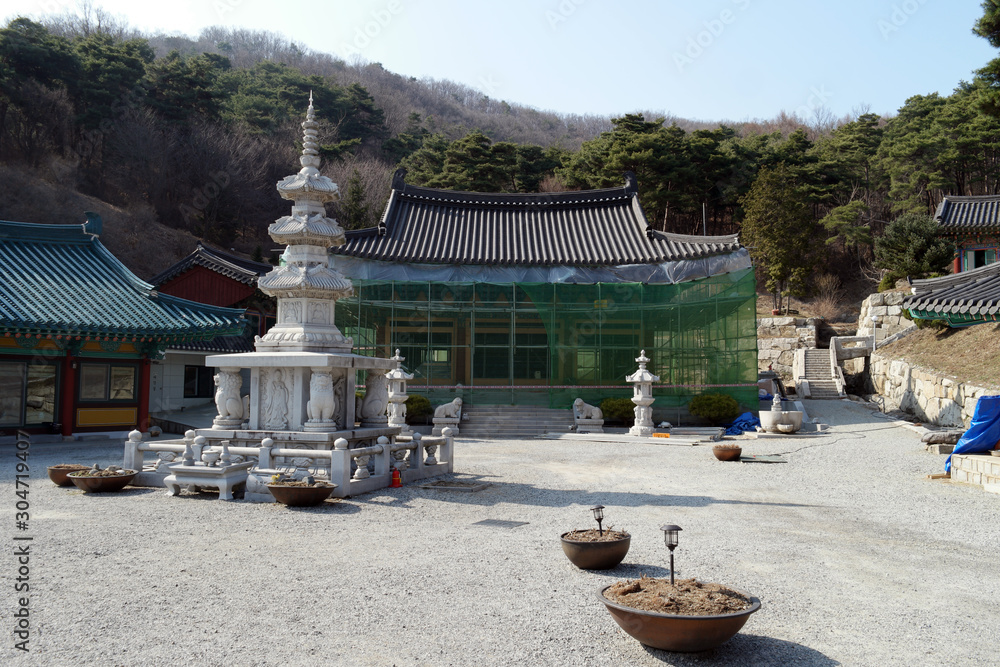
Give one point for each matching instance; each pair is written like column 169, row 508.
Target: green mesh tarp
column 547, row 344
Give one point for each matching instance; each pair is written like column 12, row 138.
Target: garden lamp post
column 598, row 511
column 670, row 539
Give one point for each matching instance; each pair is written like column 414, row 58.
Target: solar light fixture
column 598, row 511
column 670, row 539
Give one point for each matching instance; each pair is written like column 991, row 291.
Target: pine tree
column 779, row 231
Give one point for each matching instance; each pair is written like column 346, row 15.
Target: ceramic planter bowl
column 595, row 555
column 102, row 484
column 727, row 452
column 671, row 632
column 58, row 473
column 300, row 496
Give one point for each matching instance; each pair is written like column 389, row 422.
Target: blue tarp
column 745, row 422
column 984, row 431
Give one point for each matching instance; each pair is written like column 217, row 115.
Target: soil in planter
column 689, row 597
column 91, row 472
column 302, row 484
column 593, row 535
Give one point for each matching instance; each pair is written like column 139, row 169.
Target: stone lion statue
column 583, row 410
column 376, row 398
column 451, row 410
column 322, row 404
column 227, row 395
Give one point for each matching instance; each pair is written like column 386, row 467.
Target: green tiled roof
column 60, row 280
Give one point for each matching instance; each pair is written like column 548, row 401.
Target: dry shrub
column 828, row 302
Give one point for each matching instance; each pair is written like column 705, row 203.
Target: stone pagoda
column 303, row 373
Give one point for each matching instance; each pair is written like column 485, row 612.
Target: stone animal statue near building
column 587, row 418
column 447, row 415
column 582, row 410
column 452, row 410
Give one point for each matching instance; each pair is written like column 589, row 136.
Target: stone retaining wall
column 931, row 398
column 777, row 340
column 888, row 307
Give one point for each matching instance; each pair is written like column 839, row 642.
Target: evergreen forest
column 190, row 134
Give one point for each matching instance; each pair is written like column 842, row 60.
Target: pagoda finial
column 310, row 146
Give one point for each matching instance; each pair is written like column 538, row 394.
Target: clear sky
column 705, row 59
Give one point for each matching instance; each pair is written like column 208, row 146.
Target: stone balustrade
column 417, row 458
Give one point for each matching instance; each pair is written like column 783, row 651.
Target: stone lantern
column 642, row 395
column 397, row 378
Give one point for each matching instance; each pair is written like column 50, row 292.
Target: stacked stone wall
column 888, row 307
column 931, row 398
column 777, row 340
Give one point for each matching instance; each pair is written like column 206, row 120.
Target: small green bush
column 716, row 408
column 937, row 325
column 619, row 410
column 418, row 407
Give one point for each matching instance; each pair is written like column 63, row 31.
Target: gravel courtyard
column 857, row 558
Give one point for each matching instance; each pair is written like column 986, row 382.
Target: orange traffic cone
column 397, row 480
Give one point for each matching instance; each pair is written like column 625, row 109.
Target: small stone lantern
column 397, row 378
column 642, row 395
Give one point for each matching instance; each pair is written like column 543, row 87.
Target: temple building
column 973, row 224
column 78, row 331
column 180, row 379
column 538, row 299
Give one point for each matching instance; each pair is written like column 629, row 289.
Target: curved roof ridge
column 243, row 270
column 510, row 198
column 577, row 228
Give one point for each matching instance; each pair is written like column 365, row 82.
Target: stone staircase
column 818, row 373
column 510, row 421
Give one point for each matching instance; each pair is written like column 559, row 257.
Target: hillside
column 971, row 354
column 133, row 235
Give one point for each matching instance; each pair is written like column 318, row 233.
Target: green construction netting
column 547, row 344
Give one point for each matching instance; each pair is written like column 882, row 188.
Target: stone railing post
column 382, row 459
column 448, row 448
column 340, row 465
column 133, row 455
column 264, row 454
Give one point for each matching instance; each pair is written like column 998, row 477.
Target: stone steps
column 513, row 421
column 818, row 373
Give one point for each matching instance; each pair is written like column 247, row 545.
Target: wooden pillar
column 67, row 393
column 144, row 371
column 957, row 264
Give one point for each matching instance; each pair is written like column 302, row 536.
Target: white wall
column 166, row 382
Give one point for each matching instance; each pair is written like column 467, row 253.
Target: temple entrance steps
column 818, row 375
column 511, row 421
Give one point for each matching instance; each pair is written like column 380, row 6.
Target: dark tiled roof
column 222, row 344
column 60, row 280
column 243, row 270
column 587, row 228
column 969, row 213
column 970, row 297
